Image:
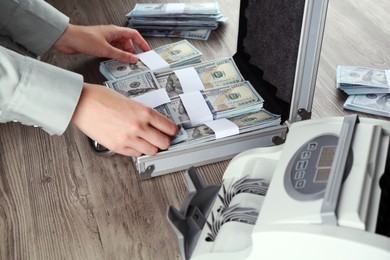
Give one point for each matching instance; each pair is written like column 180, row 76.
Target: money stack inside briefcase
column 228, row 105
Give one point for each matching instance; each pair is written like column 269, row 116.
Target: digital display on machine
column 322, row 175
column 326, row 156
column 324, row 163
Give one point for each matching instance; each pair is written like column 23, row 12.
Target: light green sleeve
column 34, row 24
column 37, row 93
column 33, row 92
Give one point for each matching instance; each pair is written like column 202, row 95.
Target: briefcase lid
column 278, row 51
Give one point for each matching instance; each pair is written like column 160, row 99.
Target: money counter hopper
column 323, row 194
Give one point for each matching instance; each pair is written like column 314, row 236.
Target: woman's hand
column 120, row 124
column 108, row 41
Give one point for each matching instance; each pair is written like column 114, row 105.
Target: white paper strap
column 196, row 108
column 153, row 98
column 152, row 60
column 387, row 73
column 189, row 79
column 175, row 8
column 223, row 128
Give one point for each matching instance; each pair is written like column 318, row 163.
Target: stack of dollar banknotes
column 368, row 89
column 184, row 20
column 227, row 94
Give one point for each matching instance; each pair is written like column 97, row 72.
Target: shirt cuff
column 46, row 96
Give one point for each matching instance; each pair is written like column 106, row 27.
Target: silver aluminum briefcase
column 278, row 51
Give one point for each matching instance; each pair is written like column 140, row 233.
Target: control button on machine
column 305, row 155
column 299, row 175
column 312, row 146
column 302, row 165
column 300, row 184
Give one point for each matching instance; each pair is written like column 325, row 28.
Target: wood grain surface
column 58, row 200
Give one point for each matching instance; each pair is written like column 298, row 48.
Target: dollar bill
column 361, row 80
column 377, row 104
column 232, row 100
column 246, row 123
column 175, row 54
column 253, row 121
column 220, row 72
column 113, row 69
column 199, row 34
column 167, row 111
column 179, row 53
column 181, row 112
column 224, row 102
column 154, row 9
column 134, row 85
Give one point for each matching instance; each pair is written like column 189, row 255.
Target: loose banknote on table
column 377, row 104
column 360, row 80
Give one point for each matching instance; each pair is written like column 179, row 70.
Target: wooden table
column 58, row 200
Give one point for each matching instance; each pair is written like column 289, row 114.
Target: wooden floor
column 58, row 200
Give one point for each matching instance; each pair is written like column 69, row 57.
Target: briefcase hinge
column 304, row 114
column 147, row 174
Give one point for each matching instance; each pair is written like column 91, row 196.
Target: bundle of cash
column 377, row 104
column 216, row 73
column 166, row 19
column 246, row 123
column 176, row 54
column 360, row 80
column 224, row 102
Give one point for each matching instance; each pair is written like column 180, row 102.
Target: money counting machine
column 323, row 194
